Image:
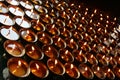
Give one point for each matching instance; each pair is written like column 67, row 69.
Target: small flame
column 59, row 39
column 37, row 66
column 95, row 11
column 109, row 70
column 71, row 66
column 46, row 16
column 56, row 61
column 91, row 56
column 43, row 34
column 92, row 15
column 49, row 48
column 33, row 48
column 101, row 18
column 107, row 16
column 98, row 68
column 72, row 40
column 19, row 63
column 83, row 18
column 66, row 52
column 115, row 19
column 86, row 9
column 86, row 68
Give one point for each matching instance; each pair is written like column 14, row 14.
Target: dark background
column 109, row 6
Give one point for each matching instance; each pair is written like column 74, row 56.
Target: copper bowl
column 72, row 70
column 34, row 52
column 18, row 67
column 14, row 48
column 39, row 69
column 56, row 66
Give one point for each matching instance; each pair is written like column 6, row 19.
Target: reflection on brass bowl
column 79, row 56
column 109, row 73
column 98, row 71
column 44, row 38
column 39, row 69
column 66, row 55
column 37, row 25
column 56, row 66
column 59, row 42
column 14, row 48
column 52, row 29
column 18, row 67
column 86, row 71
column 72, row 70
column 28, row 35
column 34, row 52
column 50, row 51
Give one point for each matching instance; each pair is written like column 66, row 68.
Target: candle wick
column 5, row 19
column 8, row 33
column 21, row 22
column 14, row 10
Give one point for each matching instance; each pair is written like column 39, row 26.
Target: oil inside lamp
column 6, row 20
column 59, row 42
column 79, row 56
column 13, row 2
column 50, row 51
column 34, row 52
column 23, row 22
column 86, row 71
column 56, row 66
column 26, row 4
column 18, row 67
column 9, row 32
column 37, row 25
column 32, row 14
column 17, row 11
column 66, row 55
column 72, row 70
column 98, row 71
column 39, row 69
column 14, row 48
column 44, row 38
column 28, row 35
column 3, row 8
